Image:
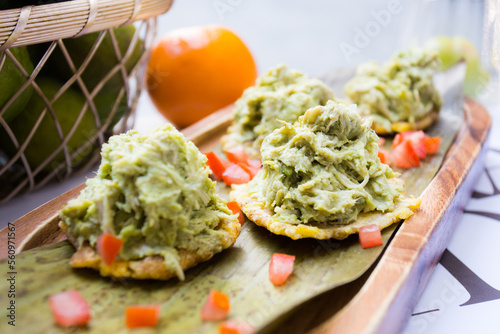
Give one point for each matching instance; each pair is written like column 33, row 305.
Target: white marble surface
column 311, row 36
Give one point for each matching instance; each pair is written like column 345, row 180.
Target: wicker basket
column 112, row 69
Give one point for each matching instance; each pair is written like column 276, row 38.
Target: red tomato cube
column 370, row 236
column 280, row 268
column 142, row 316
column 216, row 164
column 69, row 308
column 216, row 307
column 235, row 208
column 417, row 140
column 432, row 144
column 235, row 327
column 237, row 154
column 384, row 156
column 251, row 170
column 234, row 174
column 404, row 155
column 108, row 246
column 400, row 137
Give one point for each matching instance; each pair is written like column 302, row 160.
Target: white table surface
column 309, row 36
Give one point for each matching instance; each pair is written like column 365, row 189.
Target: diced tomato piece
column 216, row 164
column 234, row 174
column 252, row 167
column 410, row 143
column 381, row 141
column 384, row 156
column 404, row 155
column 251, row 170
column 235, row 327
column 280, row 268
column 69, row 308
column 225, row 163
column 415, row 137
column 235, row 208
column 108, row 246
column 237, row 154
column 142, row 315
column 417, row 140
column 432, row 144
column 255, row 163
column 370, row 236
column 216, row 307
column 400, row 137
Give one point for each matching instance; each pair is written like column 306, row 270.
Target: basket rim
column 35, row 24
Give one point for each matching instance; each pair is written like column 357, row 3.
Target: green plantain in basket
column 45, row 139
column 110, row 97
column 11, row 79
column 102, row 62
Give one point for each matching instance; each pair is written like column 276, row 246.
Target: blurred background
column 320, row 35
column 311, row 35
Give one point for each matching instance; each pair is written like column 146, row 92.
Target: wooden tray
column 386, row 295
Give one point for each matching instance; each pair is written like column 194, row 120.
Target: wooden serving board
column 382, row 299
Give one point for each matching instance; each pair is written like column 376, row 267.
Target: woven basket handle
column 21, row 26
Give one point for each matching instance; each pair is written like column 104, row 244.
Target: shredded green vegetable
column 154, row 192
column 400, row 90
column 324, row 169
column 280, row 94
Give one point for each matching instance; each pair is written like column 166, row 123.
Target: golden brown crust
column 406, row 126
column 256, row 212
column 151, row 267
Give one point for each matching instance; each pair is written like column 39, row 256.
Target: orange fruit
column 195, row 71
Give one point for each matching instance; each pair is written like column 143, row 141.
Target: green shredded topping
column 280, row 94
column 154, row 193
column 400, row 90
column 324, row 169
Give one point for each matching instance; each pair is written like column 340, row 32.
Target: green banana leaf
column 241, row 271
